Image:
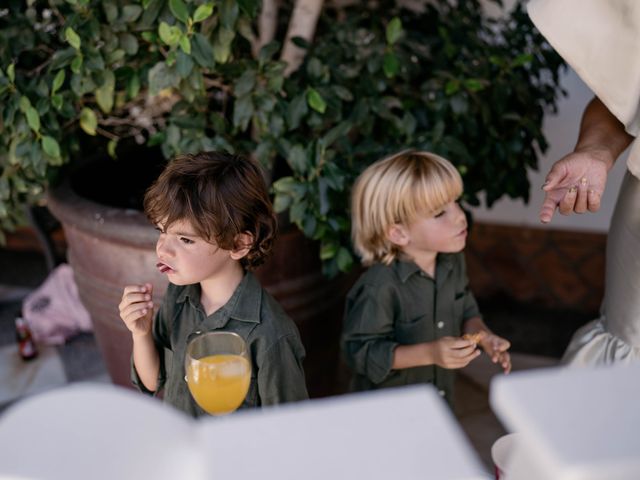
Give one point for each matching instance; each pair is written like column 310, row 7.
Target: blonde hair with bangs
column 397, row 190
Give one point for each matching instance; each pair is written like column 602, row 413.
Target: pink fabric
column 54, row 311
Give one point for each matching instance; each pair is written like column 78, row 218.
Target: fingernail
column 573, row 189
column 583, row 181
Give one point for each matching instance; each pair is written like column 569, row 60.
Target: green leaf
column 185, row 44
column 129, row 43
column 179, row 10
column 328, row 250
column 245, row 83
column 184, row 64
column 33, row 119
column 474, row 84
column 130, row 13
column 50, row 146
column 222, row 45
column 76, row 65
column 11, row 72
column 161, row 77
column 25, row 104
column 296, row 110
column 452, row 87
column 229, row 13
column 242, row 112
column 316, row 101
column 297, row 159
column 56, row 101
column 202, row 51
column 57, row 82
column 281, row 203
column 394, row 30
column 72, row 38
column 344, row 259
column 88, row 121
column 110, row 11
column 111, row 148
column 104, row 94
column 133, row 86
column 390, row 65
column 203, row 12
column 170, row 35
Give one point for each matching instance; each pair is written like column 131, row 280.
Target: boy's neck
column 426, row 261
column 216, row 292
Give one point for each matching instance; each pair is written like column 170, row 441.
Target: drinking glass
column 218, row 371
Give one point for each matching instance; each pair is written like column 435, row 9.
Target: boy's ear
column 398, row 235
column 243, row 243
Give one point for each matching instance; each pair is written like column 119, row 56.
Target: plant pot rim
column 126, row 225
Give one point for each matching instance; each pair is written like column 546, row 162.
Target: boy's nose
column 162, row 249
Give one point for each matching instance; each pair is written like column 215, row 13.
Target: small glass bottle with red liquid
column 26, row 345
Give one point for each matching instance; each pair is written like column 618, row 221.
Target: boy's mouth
column 163, row 267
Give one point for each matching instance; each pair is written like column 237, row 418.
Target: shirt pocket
column 414, row 330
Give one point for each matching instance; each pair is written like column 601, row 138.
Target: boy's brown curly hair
column 221, row 195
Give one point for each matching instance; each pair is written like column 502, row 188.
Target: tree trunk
column 267, row 24
column 303, row 24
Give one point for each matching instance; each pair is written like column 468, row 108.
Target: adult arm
column 577, row 181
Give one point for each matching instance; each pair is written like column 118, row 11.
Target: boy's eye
column 186, row 241
column 439, row 214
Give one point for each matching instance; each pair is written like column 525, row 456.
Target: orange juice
column 219, row 383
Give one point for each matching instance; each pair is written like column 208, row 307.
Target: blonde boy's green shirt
column 272, row 337
column 399, row 304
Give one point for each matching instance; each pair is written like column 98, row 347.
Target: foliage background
column 187, row 76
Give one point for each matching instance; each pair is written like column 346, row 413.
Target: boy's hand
column 136, row 309
column 496, row 347
column 454, row 352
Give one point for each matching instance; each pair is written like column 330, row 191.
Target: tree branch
column 303, row 24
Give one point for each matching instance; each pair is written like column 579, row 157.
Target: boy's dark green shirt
column 273, row 340
column 399, row 304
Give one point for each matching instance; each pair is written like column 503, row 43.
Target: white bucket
column 501, row 451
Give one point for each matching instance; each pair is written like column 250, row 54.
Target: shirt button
column 440, row 324
column 441, row 393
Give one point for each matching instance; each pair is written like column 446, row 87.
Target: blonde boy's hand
column 136, row 309
column 454, row 352
column 496, row 347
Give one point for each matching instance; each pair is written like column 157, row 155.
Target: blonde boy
column 406, row 315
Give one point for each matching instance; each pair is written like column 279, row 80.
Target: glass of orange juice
column 218, row 371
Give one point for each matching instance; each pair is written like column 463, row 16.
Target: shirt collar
column 407, row 268
column 244, row 304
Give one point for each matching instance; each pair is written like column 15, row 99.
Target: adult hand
column 496, row 347
column 576, row 183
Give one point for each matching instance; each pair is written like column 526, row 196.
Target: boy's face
column 444, row 232
column 187, row 258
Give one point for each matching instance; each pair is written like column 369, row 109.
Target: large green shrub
column 181, row 74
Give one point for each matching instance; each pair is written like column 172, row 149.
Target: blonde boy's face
column 187, row 258
column 443, row 232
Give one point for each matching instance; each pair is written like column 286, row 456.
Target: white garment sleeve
column 600, row 40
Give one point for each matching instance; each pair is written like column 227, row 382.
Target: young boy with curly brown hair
column 216, row 223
